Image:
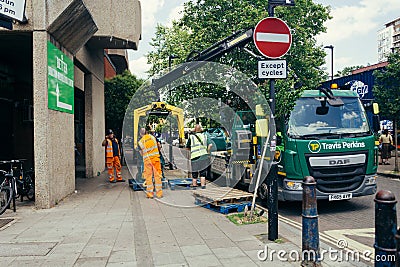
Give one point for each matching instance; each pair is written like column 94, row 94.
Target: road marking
column 272, row 37
column 332, row 237
column 353, row 244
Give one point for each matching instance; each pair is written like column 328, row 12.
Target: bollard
column 310, row 234
column 385, row 229
column 398, row 248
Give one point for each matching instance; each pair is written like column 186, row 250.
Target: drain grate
column 4, row 222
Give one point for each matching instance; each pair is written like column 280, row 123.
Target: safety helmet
column 109, row 131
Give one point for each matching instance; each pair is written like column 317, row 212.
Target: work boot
column 159, row 194
column 149, row 195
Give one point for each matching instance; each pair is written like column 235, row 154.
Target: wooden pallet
column 225, row 208
column 221, row 195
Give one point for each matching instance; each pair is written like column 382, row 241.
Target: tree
column 118, row 92
column 387, row 90
column 206, row 22
column 348, row 70
column 387, row 93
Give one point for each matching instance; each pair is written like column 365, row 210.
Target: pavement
column 388, row 170
column 104, row 224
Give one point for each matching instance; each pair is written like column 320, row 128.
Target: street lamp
column 331, row 48
column 171, row 166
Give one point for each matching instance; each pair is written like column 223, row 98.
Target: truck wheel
column 263, row 191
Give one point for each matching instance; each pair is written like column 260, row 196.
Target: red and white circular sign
column 272, row 37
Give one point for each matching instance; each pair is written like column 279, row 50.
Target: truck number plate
column 340, row 196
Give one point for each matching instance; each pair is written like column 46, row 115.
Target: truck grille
column 333, row 179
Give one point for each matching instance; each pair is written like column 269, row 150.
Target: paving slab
column 107, row 224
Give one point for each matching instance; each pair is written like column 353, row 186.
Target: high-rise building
column 388, row 39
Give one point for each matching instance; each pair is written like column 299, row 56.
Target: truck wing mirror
column 322, row 110
column 376, row 126
column 335, row 102
column 375, row 108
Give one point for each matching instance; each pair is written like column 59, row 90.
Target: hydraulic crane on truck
column 237, row 40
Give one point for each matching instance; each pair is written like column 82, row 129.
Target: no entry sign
column 272, row 37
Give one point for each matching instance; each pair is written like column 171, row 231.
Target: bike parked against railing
column 14, row 183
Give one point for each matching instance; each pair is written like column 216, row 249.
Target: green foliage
column 206, row 22
column 118, row 91
column 387, row 88
column 347, row 70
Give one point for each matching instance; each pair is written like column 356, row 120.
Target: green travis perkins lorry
column 327, row 136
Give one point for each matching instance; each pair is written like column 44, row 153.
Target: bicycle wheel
column 30, row 187
column 5, row 198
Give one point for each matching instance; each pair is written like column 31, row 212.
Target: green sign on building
column 60, row 80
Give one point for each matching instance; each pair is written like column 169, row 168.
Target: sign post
column 60, row 80
column 273, row 39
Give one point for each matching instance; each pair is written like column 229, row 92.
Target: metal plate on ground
column 5, row 221
column 26, row 249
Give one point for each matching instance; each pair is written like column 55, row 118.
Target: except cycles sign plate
column 13, row 9
column 60, row 80
column 272, row 69
column 272, row 37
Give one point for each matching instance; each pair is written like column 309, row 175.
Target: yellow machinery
column 160, row 109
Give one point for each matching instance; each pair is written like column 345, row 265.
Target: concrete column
column 94, row 124
column 53, row 136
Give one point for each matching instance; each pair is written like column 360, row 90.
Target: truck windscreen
column 336, row 122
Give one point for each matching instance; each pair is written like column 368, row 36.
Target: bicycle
column 6, row 191
column 25, row 181
column 16, row 183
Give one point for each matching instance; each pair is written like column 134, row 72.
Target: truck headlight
column 294, row 185
column 370, row 180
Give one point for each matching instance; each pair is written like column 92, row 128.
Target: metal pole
column 396, row 157
column 398, row 248
column 273, row 203
column 332, row 62
column 310, row 234
column 171, row 166
column 385, row 229
column 331, row 48
column 272, row 182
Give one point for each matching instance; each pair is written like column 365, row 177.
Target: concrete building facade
column 79, row 31
column 388, row 39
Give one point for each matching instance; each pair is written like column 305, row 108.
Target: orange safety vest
column 109, row 149
column 148, row 145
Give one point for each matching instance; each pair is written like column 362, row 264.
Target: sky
column 352, row 31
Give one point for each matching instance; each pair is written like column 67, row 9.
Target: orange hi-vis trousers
column 152, row 167
column 113, row 163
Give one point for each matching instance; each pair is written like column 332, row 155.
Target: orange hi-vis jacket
column 148, row 145
column 109, row 149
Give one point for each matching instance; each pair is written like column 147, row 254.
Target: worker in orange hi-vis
column 113, row 156
column 149, row 149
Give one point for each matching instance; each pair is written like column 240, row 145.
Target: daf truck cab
column 328, row 136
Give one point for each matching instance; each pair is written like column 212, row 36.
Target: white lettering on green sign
column 340, row 145
column 60, row 77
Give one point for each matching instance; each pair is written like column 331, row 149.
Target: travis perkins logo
column 315, row 146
